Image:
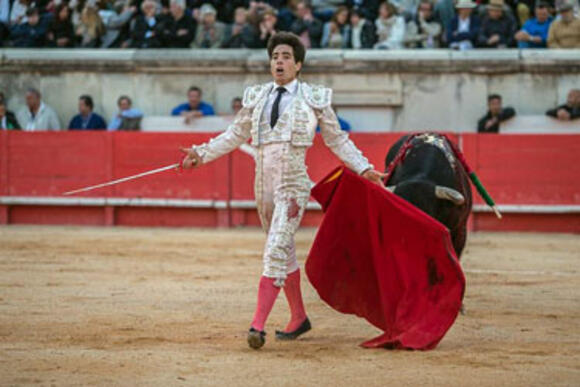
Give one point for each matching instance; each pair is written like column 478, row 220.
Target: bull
column 429, row 176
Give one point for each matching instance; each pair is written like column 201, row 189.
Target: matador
column 280, row 118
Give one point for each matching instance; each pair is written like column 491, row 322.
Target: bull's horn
column 391, row 188
column 450, row 194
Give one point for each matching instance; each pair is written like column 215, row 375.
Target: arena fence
column 533, row 178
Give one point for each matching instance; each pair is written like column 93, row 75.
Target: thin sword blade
column 128, row 178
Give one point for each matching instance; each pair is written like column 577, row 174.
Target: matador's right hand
column 191, row 159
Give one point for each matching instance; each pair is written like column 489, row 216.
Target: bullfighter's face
column 283, row 65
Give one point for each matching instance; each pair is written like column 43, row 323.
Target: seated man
column 464, row 27
column 565, row 32
column 87, row 119
column 423, row 31
column 127, row 118
column 29, row 34
column 496, row 114
column 534, row 33
column 568, row 111
column 497, row 27
column 194, row 107
column 37, row 115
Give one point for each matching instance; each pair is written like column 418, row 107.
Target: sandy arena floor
column 163, row 307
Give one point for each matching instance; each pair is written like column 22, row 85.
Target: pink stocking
column 294, row 297
column 267, row 294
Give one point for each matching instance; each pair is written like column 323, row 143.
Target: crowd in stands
column 35, row 114
column 351, row 24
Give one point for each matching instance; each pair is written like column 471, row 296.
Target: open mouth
column 279, row 71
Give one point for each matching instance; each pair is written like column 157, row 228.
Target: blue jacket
column 471, row 35
column 534, row 28
column 205, row 108
column 96, row 122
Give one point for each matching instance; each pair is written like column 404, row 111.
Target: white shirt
column 285, row 101
column 463, row 25
column 45, row 119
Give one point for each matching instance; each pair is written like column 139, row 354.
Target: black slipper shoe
column 303, row 328
column 256, row 339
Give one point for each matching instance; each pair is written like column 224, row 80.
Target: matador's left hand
column 375, row 176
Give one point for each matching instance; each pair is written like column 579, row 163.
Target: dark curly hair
column 290, row 39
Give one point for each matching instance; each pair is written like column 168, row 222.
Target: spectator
column 30, row 33
column 236, row 105
column 565, row 31
column 464, row 27
column 116, row 23
column 147, row 29
column 210, row 32
column 497, row 27
column 87, row 119
column 7, row 119
column 194, row 107
column 233, row 37
column 18, row 12
column 495, row 115
column 61, row 31
column 180, row 26
column 91, row 28
column 37, row 115
column 390, row 27
column 362, row 31
column 259, row 30
column 306, row 26
column 568, row 111
column 128, row 118
column 534, row 33
column 336, row 32
column 423, row 31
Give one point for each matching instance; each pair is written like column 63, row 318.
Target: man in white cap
column 463, row 29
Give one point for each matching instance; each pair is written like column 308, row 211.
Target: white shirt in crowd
column 463, row 25
column 45, row 119
column 285, row 101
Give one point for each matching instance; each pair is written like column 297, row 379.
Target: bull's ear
column 450, row 194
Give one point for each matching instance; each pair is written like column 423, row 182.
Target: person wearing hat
column 464, row 27
column 497, row 27
column 534, row 33
column 210, row 32
column 565, row 32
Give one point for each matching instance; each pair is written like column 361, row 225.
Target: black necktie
column 276, row 107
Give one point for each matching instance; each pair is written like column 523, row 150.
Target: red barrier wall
column 537, row 170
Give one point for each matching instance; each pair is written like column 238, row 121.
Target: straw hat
column 495, row 4
column 465, row 4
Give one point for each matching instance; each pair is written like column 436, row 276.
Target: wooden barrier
column 533, row 178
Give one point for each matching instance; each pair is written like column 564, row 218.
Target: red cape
column 379, row 257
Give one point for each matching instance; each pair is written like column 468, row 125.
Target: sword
column 128, row 178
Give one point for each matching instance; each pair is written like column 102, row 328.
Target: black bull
column 432, row 179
